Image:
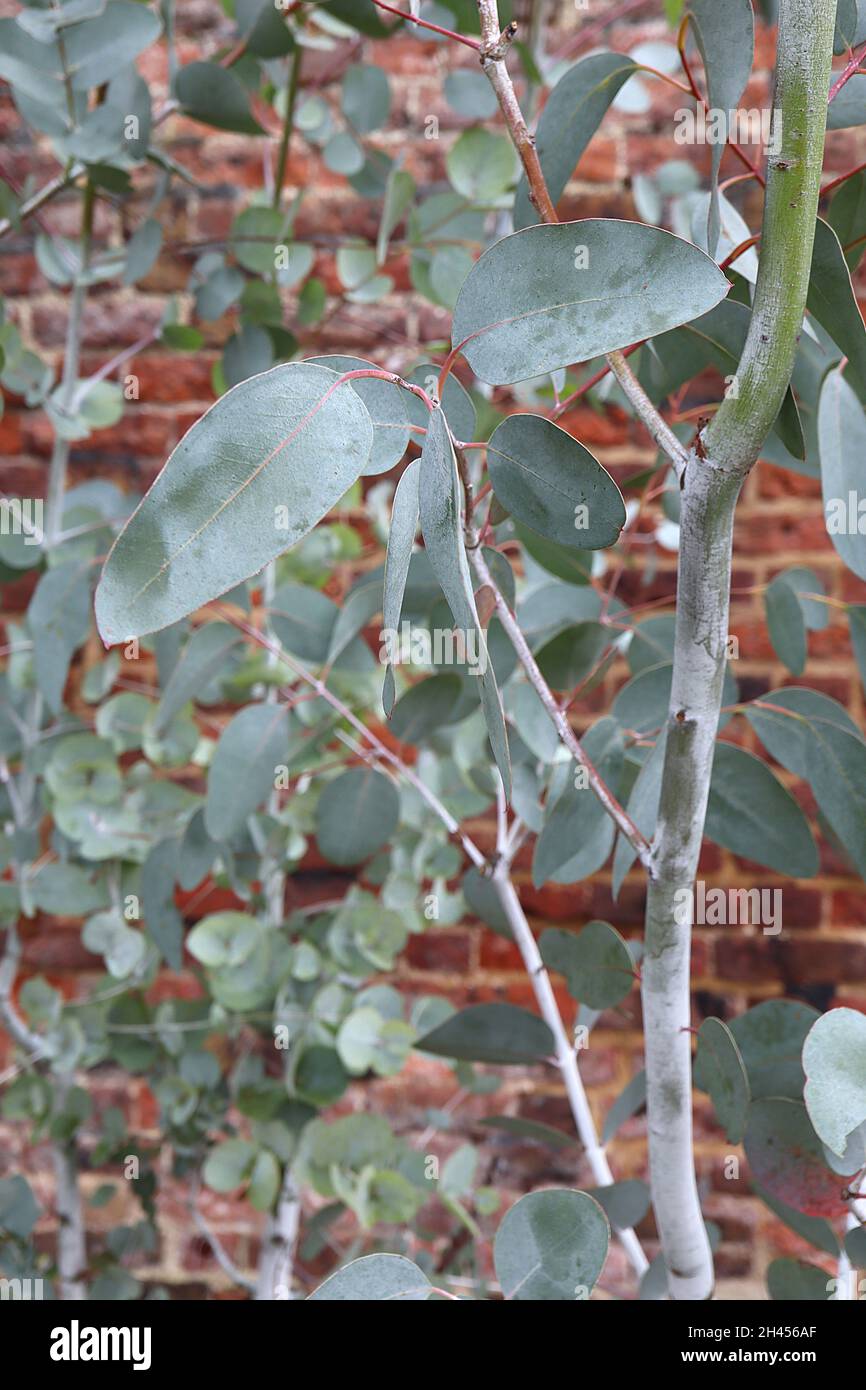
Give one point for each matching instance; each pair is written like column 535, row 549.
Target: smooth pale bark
column 566, row 1057
column 276, row 1264
column 711, row 486
column 71, row 1250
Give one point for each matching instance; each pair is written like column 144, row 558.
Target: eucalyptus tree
column 491, row 633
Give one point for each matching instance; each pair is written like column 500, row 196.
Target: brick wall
column 821, row 953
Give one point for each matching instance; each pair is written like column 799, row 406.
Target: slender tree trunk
column 711, row 486
column 277, row 1260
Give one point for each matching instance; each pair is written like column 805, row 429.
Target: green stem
column 288, row 123
column 736, row 436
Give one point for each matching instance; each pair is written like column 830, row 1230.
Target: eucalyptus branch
column 382, row 751
column 560, row 722
column 658, row 428
column 493, row 64
column 566, row 1058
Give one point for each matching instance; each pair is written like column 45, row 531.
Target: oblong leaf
column 571, row 116
column 553, row 295
column 549, row 481
column 242, row 773
column 490, row 1033
column 750, row 813
column 253, row 475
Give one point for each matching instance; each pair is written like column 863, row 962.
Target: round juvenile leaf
column 625, row 1203
column 786, row 1157
column 549, row 481
column 264, row 1181
column 720, row 1071
column 356, row 815
column 595, row 961
column 481, row 165
column 375, row 1279
column 470, row 94
column 552, row 295
column 834, row 1059
column 229, row 1165
column 551, row 1245
column 366, row 98
column 490, row 1033
column 770, row 1039
column 254, row 475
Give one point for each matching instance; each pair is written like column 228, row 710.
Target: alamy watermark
column 729, row 907
column 441, row 646
column 715, row 127
column 23, row 516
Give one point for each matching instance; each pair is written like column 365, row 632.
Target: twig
column 557, row 718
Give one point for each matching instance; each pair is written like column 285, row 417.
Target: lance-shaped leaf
column 375, row 1279
column 550, row 296
column 842, row 445
column 441, row 511
column 753, row 815
column 833, row 302
column 252, row 476
column 834, row 1059
column 573, row 113
column 787, row 1157
column 386, row 404
column 552, row 1245
column 785, row 721
column 243, row 771
column 490, row 1033
column 720, row 1071
column 725, row 34
column 549, row 481
column 401, row 538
